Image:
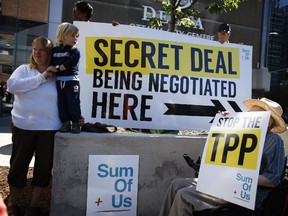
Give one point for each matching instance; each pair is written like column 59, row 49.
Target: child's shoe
column 66, row 127
column 75, row 128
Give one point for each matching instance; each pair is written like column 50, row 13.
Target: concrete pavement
column 5, row 135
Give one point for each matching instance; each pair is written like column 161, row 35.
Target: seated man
column 183, row 199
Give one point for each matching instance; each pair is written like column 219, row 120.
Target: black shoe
column 32, row 211
column 75, row 128
column 66, row 127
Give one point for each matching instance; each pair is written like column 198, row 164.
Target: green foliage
column 185, row 16
column 155, row 22
column 167, row 6
column 173, row 9
column 187, row 22
column 224, row 6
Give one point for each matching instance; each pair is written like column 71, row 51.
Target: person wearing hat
column 224, row 33
column 182, row 198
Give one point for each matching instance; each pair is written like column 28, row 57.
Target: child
column 66, row 59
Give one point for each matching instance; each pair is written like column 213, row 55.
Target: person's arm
column 48, row 74
column 21, row 80
column 272, row 162
column 264, row 182
column 72, row 61
column 51, row 69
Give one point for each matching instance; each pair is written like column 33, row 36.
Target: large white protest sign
column 112, row 185
column 232, row 155
column 145, row 78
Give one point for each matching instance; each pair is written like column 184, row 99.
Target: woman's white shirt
column 35, row 100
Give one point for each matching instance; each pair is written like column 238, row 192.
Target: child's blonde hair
column 65, row 29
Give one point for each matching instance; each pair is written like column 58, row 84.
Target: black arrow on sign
column 235, row 106
column 199, row 110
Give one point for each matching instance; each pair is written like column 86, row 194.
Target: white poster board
column 112, row 185
column 144, row 78
column 232, row 155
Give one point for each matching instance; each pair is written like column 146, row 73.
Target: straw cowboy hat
column 269, row 105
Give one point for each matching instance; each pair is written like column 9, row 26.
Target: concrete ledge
column 160, row 160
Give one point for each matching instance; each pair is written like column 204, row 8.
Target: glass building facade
column 20, row 22
column 276, row 54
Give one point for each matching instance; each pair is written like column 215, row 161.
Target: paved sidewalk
column 5, row 135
